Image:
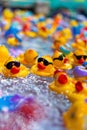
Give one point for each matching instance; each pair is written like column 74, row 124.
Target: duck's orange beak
column 15, row 70
column 41, row 66
column 62, row 79
column 81, row 61
column 65, row 60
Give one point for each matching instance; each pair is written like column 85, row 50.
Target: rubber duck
column 60, row 61
column 27, row 31
column 43, row 67
column 79, row 43
column 76, row 116
column 66, row 32
column 4, row 54
column 12, row 68
column 59, row 41
column 80, row 92
column 12, row 41
column 43, row 32
column 63, row 84
column 80, row 56
column 8, row 14
column 28, row 58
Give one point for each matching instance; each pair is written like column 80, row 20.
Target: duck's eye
column 12, row 63
column 40, row 59
column 85, row 57
column 78, row 57
column 9, row 65
column 17, row 64
column 46, row 62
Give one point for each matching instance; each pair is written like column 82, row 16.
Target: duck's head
column 30, row 57
column 76, row 117
column 58, row 42
column 59, row 59
column 67, row 33
column 8, row 14
column 80, row 56
column 44, row 63
column 11, row 66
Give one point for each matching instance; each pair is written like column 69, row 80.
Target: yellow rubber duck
column 79, row 43
column 8, row 14
column 73, row 23
column 80, row 92
column 43, row 67
column 76, row 117
column 61, row 61
column 66, row 32
column 79, row 56
column 59, row 41
column 4, row 54
column 28, row 58
column 43, row 32
column 62, row 83
column 30, row 34
column 12, row 41
column 12, row 68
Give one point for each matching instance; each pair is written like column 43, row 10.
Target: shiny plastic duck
column 12, row 41
column 43, row 67
column 79, row 43
column 59, row 41
column 8, row 16
column 13, row 68
column 28, row 31
column 80, row 56
column 66, row 32
column 43, row 32
column 62, row 83
column 4, row 54
column 61, row 61
column 80, row 92
column 28, row 58
column 76, row 117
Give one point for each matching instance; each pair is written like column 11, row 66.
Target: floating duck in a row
column 43, row 67
column 61, row 61
column 28, row 58
column 13, row 68
column 9, row 66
